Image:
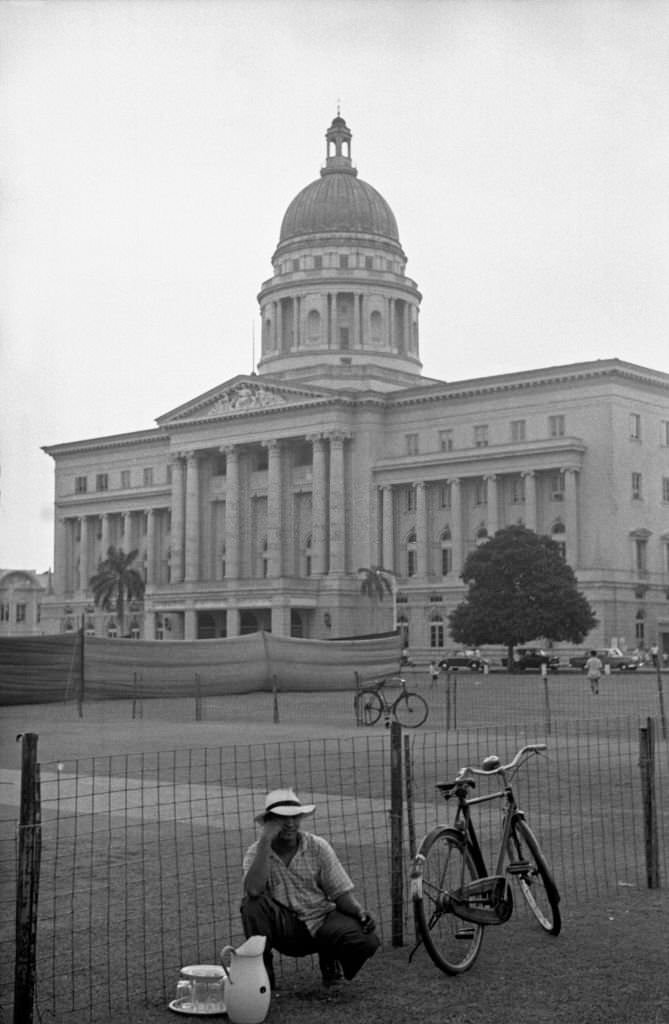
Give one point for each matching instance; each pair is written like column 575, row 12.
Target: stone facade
column 254, row 505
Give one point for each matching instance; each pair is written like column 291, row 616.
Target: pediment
column 243, row 395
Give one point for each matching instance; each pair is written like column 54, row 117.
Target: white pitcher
column 247, row 989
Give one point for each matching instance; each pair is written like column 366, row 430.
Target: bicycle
column 454, row 898
column 409, row 709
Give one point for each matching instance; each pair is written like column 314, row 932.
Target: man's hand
column 367, row 922
column 271, row 828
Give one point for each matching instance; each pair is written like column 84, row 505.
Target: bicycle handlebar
column 520, row 758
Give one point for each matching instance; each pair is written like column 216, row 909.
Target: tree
column 520, row 588
column 116, row 582
column 376, row 582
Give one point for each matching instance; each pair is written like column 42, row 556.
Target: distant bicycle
column 409, row 709
column 453, row 895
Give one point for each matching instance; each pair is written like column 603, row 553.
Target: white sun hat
column 285, row 803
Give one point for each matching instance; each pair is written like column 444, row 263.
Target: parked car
column 533, row 657
column 464, row 659
column 611, row 656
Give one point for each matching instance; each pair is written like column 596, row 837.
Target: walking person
column 593, row 667
column 434, row 673
column 298, row 895
column 655, row 654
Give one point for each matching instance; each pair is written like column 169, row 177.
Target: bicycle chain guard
column 484, row 901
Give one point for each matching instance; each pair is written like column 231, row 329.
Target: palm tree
column 115, row 581
column 376, row 582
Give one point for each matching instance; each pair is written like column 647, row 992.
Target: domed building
column 253, row 506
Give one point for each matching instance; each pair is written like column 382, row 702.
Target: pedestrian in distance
column 434, row 673
column 655, row 654
column 299, row 896
column 593, row 667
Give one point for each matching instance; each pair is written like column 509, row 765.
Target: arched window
column 436, row 630
column 411, row 553
column 446, row 552
column 376, row 328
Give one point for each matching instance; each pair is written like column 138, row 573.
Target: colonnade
column 288, row 318
column 454, row 514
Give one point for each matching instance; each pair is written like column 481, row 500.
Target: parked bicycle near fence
column 454, row 898
column 409, row 709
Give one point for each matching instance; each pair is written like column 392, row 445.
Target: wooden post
column 27, row 881
column 448, row 701
column 649, row 803
column 660, row 697
column 275, row 696
column 396, row 873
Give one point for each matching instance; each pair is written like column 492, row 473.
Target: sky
column 148, row 152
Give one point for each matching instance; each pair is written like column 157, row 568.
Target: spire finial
column 338, row 107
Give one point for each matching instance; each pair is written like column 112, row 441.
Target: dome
column 338, row 201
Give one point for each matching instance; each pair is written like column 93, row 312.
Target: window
column 410, row 499
column 480, row 491
column 636, row 486
column 437, row 631
column 635, row 426
column 664, row 433
column 445, row 495
column 557, row 486
column 168, row 474
column 446, row 440
column 665, row 488
column 411, row 554
column 125, row 478
column 446, row 552
column 307, row 557
column 102, row 482
column 4, row 612
column 518, row 490
column 265, row 559
column 640, row 554
column 640, row 627
column 148, row 476
column 223, row 565
column 481, row 436
column 557, row 534
column 343, row 262
column 80, row 484
column 369, row 263
column 303, row 454
column 517, row 430
column 261, row 459
column 318, row 262
column 296, row 264
column 556, row 426
column 412, row 444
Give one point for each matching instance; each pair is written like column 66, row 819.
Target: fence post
column 648, row 802
column 660, row 696
column 275, row 700
column 82, row 675
column 396, row 873
column 27, row 881
column 358, row 712
column 408, row 787
column 198, row 698
column 448, row 701
column 547, row 702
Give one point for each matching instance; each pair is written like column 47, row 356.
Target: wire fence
column 141, row 853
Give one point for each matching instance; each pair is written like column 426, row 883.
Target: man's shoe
column 331, row 972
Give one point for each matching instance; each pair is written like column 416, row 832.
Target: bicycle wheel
column 368, row 706
column 444, row 864
column 410, row 710
column 529, row 867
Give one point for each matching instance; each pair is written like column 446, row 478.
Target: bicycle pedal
column 518, row 867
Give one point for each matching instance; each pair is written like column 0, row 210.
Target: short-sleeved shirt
column 594, row 667
column 310, row 883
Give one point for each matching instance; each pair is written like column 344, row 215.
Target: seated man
column 298, row 895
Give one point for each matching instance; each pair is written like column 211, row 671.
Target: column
column 60, row 556
column 232, row 536
column 456, row 525
column 83, row 554
column 105, row 535
column 530, row 479
column 388, row 529
column 337, row 505
column 127, row 532
column 421, row 530
column 493, row 511
column 274, row 509
column 192, row 523
column 391, row 310
column 150, row 548
column 571, row 515
column 355, row 341
column 177, row 537
column 279, row 326
column 319, row 508
column 232, row 622
column 190, row 624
